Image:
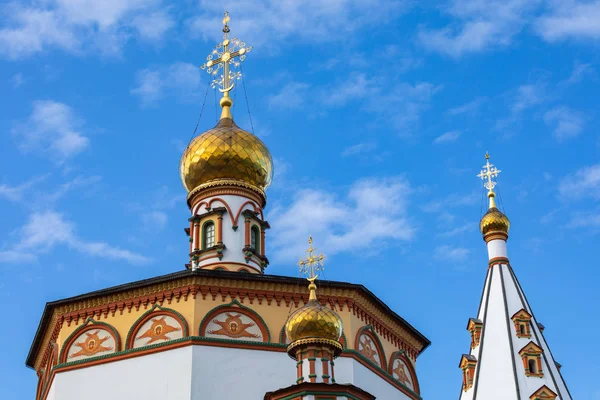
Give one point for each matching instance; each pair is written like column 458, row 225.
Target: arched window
column 254, row 239
column 532, row 366
column 208, row 234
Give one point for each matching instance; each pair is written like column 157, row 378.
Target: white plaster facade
column 202, row 373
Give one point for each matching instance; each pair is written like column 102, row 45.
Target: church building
column 223, row 328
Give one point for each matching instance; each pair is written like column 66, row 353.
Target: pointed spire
column 222, row 64
column 509, row 356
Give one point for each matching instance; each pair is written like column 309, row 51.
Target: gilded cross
column 489, row 172
column 313, row 262
column 228, row 53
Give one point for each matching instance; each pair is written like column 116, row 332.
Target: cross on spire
column 488, row 173
column 227, row 54
column 313, row 262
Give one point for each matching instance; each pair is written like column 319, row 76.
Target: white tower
column 509, row 357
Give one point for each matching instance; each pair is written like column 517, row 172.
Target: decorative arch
column 209, row 206
column 159, row 325
column 368, row 345
column 402, row 369
column 244, row 269
column 234, row 321
column 99, row 338
column 197, row 206
column 254, row 205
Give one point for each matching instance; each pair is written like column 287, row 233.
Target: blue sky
column 378, row 115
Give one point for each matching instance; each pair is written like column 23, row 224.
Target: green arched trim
column 86, row 325
column 207, row 222
column 371, row 330
column 344, row 341
column 401, row 354
column 282, row 335
column 234, row 303
column 152, row 310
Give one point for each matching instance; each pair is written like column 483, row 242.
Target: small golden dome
column 494, row 221
column 226, row 152
column 314, row 321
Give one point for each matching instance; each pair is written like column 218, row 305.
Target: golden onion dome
column 314, row 321
column 226, row 152
column 494, row 221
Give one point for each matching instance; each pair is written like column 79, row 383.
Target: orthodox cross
column 313, row 262
column 228, row 53
column 489, row 172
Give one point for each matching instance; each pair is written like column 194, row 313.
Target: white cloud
column 356, row 86
column 479, row 25
column 458, row 230
column 74, row 25
column 585, row 220
column 276, row 22
column 453, row 200
column 373, row 211
column 567, row 123
column 447, row 137
column 468, row 108
column 16, row 193
column 585, row 183
column 523, row 98
column 48, row 229
column 154, row 220
column 52, row 129
column 580, row 71
column 377, row 96
column 17, row 80
column 359, row 148
column 290, row 97
column 154, row 25
column 449, row 253
column 570, row 19
column 408, row 102
column 64, row 188
column 178, row 79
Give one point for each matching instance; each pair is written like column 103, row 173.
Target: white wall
column 202, row 373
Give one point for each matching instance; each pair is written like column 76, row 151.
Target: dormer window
column 532, row 359
column 467, row 365
column 474, row 326
column 208, row 235
column 522, row 321
column 543, row 393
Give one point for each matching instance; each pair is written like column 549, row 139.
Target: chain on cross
column 227, row 54
column 313, row 262
column 488, row 173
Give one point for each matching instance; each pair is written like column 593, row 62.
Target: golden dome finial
column 314, row 322
column 494, row 222
column 226, row 56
